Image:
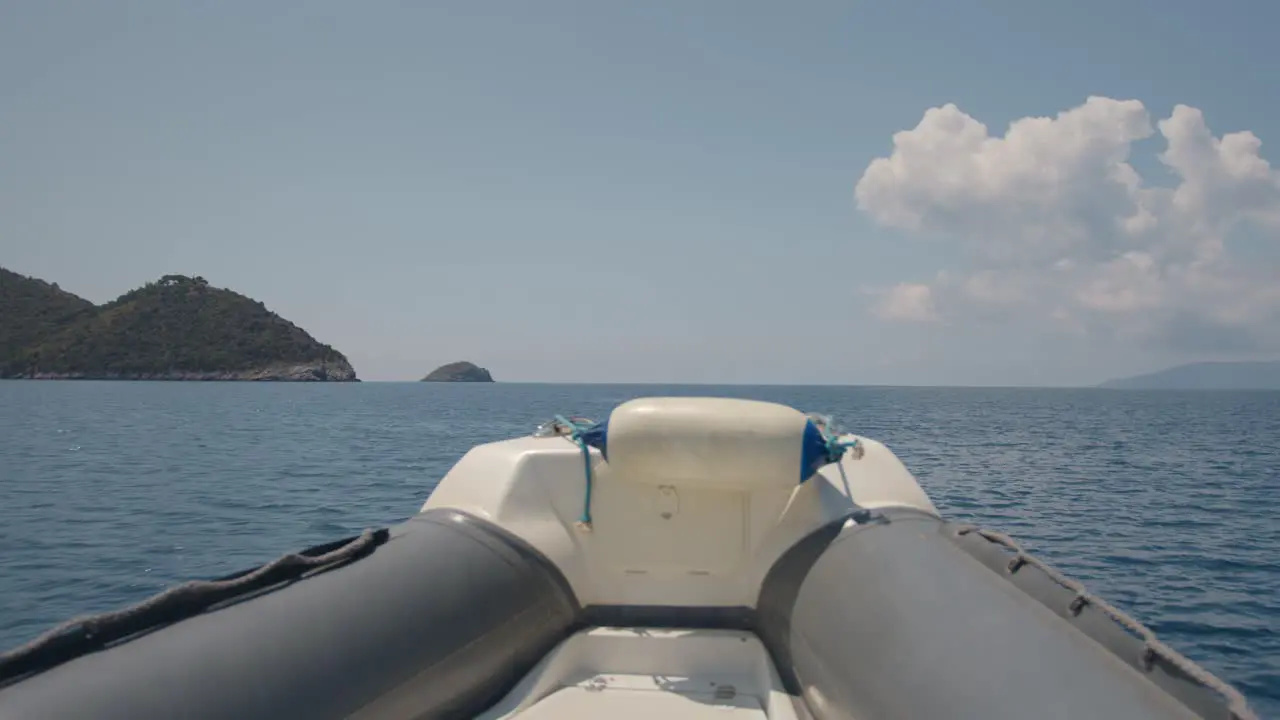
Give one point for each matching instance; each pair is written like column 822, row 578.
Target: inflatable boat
column 683, row 558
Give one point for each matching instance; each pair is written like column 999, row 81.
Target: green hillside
column 32, row 309
column 176, row 328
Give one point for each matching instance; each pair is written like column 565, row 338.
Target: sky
column 977, row 193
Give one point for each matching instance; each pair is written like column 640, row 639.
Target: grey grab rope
column 1237, row 705
column 84, row 634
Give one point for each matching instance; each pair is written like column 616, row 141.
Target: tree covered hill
column 32, row 309
column 459, row 372
column 177, row 328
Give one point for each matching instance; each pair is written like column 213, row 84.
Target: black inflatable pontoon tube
column 892, row 620
column 439, row 621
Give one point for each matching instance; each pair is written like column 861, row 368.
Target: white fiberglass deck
column 624, row 673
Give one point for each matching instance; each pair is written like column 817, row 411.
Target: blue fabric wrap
column 597, row 436
column 814, row 452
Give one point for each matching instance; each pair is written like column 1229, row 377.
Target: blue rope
column 836, row 447
column 575, row 434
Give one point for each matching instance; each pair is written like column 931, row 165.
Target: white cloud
column 1060, row 228
column 908, row 302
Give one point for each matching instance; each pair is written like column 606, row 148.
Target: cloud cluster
column 1060, row 228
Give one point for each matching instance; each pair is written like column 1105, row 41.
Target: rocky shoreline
column 293, row 372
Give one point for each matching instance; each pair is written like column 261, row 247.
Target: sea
column 1165, row 503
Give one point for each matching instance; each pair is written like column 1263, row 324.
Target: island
column 177, row 328
column 459, row 372
column 1205, row 376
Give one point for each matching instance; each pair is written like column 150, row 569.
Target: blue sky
column 668, row 191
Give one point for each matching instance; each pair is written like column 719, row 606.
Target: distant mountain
column 459, row 372
column 179, row 328
column 1206, row 376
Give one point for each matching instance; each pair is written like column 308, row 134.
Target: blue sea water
column 1165, row 503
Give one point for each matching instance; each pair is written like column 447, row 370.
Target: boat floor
column 675, row 674
column 639, row 705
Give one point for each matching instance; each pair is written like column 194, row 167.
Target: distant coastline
column 183, row 329
column 308, row 372
column 1205, row 376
